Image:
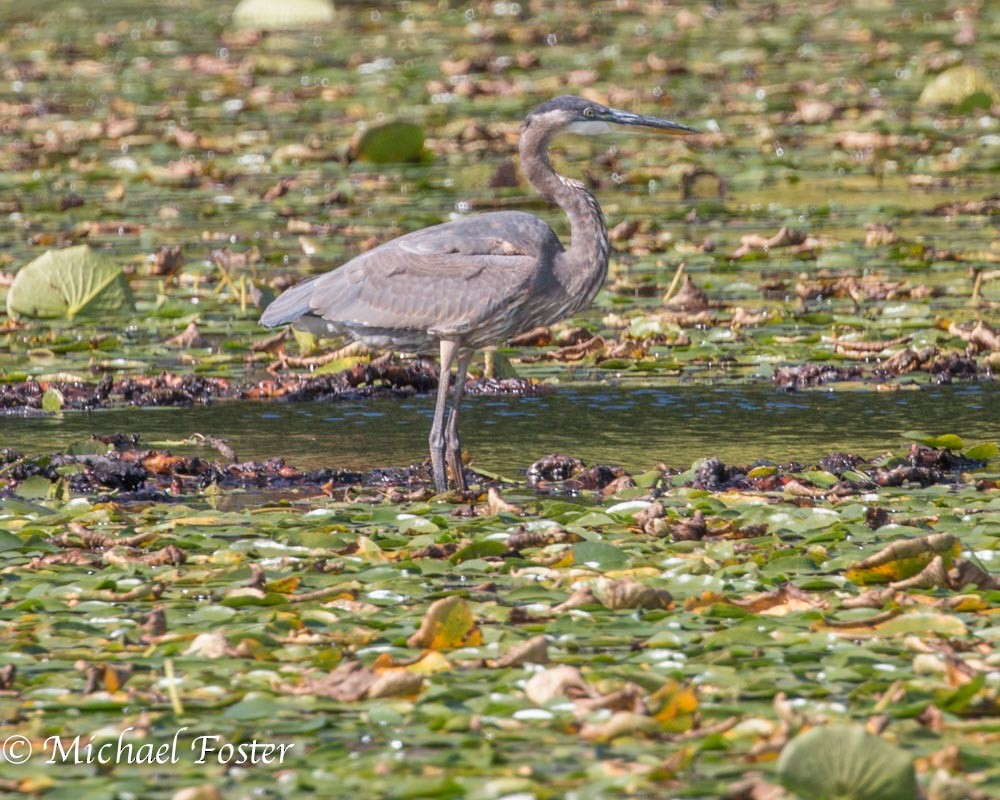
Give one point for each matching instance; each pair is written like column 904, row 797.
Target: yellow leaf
column 285, row 585
column 369, row 551
column 447, row 624
column 677, row 704
column 905, row 558
column 112, row 680
column 431, row 661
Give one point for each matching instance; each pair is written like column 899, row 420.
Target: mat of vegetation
column 665, row 633
column 163, row 175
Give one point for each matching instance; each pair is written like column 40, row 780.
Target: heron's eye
column 588, row 112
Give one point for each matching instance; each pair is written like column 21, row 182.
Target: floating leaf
column 848, row 763
column 621, row 723
column 598, row 554
column 675, row 705
column 34, row 488
column 390, row 143
column 981, row 452
column 559, row 681
column 947, row 441
column 267, row 15
column 957, row 85
column 68, row 283
column 448, row 623
column 904, row 558
column 484, row 548
column 52, row 400
column 627, row 593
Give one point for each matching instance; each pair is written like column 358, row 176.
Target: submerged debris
column 134, row 473
column 806, row 375
column 380, row 378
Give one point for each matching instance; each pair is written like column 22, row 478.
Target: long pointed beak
column 662, row 125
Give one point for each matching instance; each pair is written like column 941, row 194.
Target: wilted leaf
column 208, row 645
column 626, row 593
column 904, row 558
column 621, row 723
column 447, row 624
column 674, row 704
column 559, row 681
column 533, row 651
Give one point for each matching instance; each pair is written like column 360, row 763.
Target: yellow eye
column 588, row 112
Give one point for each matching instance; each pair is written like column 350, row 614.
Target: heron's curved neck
column 584, row 265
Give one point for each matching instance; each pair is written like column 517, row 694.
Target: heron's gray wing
column 445, row 279
column 290, row 305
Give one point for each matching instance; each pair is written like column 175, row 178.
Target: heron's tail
column 292, row 304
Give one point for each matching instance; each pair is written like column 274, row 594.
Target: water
column 633, row 428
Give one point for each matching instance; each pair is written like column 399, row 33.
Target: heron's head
column 570, row 114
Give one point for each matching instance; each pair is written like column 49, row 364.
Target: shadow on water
column 634, row 428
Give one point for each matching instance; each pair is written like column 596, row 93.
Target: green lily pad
column 981, row 452
column 846, row 762
column 69, row 283
column 602, row 554
column 392, row 142
column 52, row 400
column 947, row 441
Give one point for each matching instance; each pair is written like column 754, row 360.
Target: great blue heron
column 473, row 282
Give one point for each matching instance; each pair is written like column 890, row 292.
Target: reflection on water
column 634, row 428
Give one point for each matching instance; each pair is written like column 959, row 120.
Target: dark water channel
column 634, row 428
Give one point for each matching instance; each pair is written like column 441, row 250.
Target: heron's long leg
column 453, row 453
column 436, row 440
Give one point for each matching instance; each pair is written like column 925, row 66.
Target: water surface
column 635, row 427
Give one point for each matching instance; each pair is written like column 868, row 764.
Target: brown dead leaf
column 351, row 682
column 689, row 297
column 626, row 593
column 533, row 651
column 559, row 681
column 522, row 538
column 904, row 558
column 167, row 260
column 785, row 237
column 495, row 505
column 878, row 234
column 980, row 338
column 189, row 338
column 622, row 723
column 781, row 601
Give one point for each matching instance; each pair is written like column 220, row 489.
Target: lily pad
column 392, row 142
column 266, row 15
column 846, row 762
column 69, row 283
column 957, row 85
